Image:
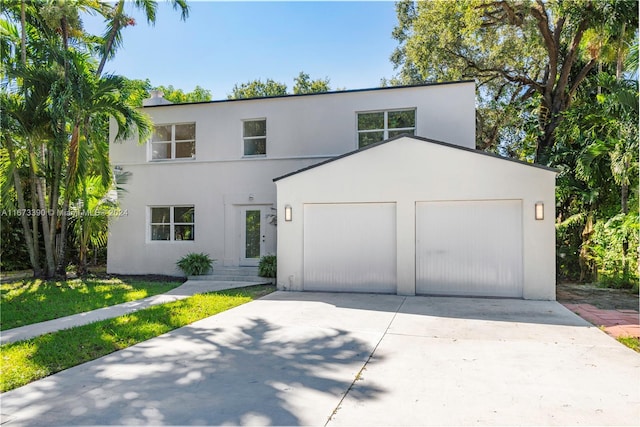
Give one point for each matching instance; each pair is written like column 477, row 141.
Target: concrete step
column 233, row 274
column 235, row 271
column 217, row 278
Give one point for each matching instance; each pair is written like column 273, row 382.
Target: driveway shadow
column 486, row 309
column 209, row 373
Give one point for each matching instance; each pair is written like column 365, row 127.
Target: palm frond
column 573, row 220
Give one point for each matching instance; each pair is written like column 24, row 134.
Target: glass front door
column 252, row 235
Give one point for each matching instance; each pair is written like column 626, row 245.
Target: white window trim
column 172, row 142
column 171, row 223
column 386, row 129
column 246, row 138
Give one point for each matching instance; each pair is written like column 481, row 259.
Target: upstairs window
column 376, row 126
column 172, row 223
column 174, row 141
column 254, row 137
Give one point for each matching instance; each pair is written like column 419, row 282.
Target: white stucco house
column 355, row 186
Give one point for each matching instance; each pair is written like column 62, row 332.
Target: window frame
column 385, row 124
column 173, row 142
column 250, row 138
column 172, row 223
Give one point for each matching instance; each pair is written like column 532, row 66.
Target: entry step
column 234, row 274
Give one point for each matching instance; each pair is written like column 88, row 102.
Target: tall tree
column 597, row 151
column 90, row 221
column 523, row 53
column 303, row 84
column 56, row 104
column 178, row 96
column 258, row 89
column 117, row 20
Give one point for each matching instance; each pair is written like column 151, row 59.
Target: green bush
column 13, row 251
column 194, row 264
column 605, row 249
column 268, row 266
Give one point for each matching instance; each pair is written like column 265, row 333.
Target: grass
column 631, row 342
column 26, row 361
column 31, row 301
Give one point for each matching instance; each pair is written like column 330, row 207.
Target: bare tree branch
column 579, row 79
column 571, row 56
column 540, row 14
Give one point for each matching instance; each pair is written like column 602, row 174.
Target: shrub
column 194, row 264
column 605, row 249
column 268, row 266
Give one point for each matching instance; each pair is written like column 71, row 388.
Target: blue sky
column 224, row 43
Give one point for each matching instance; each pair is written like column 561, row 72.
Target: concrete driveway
column 347, row 359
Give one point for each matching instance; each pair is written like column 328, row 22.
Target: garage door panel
column 350, row 247
column 469, row 248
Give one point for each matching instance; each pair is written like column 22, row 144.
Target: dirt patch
column 604, row 298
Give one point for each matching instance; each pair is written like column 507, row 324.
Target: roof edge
column 419, row 138
column 334, row 92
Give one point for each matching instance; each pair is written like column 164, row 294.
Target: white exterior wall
column 406, row 171
column 217, row 190
column 301, row 130
column 320, row 125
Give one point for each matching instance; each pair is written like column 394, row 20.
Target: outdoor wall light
column 288, row 213
column 539, row 211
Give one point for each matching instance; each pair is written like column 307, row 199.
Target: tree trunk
column 49, row 246
column 624, row 190
column 32, row 245
column 23, row 33
column 107, row 48
column 624, row 202
column 620, row 55
column 61, row 270
column 82, row 255
column 30, row 233
column 117, row 12
column 586, row 268
column 547, row 139
column 70, row 182
column 54, row 197
column 34, row 218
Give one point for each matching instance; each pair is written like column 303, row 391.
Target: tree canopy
column 529, row 57
column 55, row 109
column 304, row 84
column 178, row 96
column 554, row 87
column 259, row 89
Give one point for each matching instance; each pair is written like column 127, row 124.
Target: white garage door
column 469, row 248
column 350, row 247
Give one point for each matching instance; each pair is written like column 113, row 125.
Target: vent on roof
column 157, row 98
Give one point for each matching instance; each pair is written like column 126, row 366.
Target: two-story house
column 204, row 182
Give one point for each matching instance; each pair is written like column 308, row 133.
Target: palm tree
column 27, row 125
column 90, row 217
column 56, row 106
column 91, row 102
column 117, row 20
column 612, row 126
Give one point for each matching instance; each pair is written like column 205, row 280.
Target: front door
column 252, row 234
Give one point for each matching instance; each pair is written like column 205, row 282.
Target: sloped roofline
column 418, row 138
column 219, row 101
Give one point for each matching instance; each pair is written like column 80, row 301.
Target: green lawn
column 26, row 361
column 631, row 342
column 31, row 301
